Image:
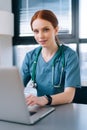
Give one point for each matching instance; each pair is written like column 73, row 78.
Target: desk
column 65, row 117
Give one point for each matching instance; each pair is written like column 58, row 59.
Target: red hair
column 45, row 15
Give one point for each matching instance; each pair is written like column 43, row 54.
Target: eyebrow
column 41, row 28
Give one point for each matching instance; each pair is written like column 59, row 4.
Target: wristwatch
column 49, row 98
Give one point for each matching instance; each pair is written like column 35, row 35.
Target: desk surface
column 65, row 117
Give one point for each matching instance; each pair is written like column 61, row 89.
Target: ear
column 56, row 30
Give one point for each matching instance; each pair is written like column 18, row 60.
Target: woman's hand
column 34, row 100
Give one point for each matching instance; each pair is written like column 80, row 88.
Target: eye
column 46, row 29
column 35, row 31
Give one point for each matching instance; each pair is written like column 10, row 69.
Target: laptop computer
column 13, row 107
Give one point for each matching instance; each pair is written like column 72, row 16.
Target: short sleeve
column 72, row 70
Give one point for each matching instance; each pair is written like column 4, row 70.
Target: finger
column 31, row 100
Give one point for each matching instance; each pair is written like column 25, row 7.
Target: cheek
column 53, row 35
column 36, row 37
column 49, row 35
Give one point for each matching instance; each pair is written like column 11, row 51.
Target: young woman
column 52, row 68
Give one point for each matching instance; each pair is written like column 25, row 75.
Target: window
column 83, row 63
column 19, row 53
column 83, row 19
column 63, row 9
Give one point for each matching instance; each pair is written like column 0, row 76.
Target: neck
column 48, row 53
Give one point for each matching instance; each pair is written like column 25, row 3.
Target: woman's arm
column 64, row 97
column 61, row 98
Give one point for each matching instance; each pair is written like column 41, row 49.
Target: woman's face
column 44, row 32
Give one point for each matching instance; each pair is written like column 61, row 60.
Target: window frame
column 67, row 38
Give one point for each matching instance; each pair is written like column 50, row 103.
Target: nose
column 41, row 34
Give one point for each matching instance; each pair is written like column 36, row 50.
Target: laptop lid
column 12, row 101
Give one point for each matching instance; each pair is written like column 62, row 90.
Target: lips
column 43, row 41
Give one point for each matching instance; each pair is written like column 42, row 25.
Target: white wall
column 5, row 5
column 5, row 40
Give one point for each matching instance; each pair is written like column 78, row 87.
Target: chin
column 43, row 45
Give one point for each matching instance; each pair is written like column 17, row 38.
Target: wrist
column 49, row 99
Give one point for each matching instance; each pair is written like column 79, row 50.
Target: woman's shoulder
column 68, row 50
column 70, row 55
column 33, row 52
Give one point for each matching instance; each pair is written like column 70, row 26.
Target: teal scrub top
column 70, row 75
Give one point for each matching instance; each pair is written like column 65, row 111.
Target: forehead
column 40, row 23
